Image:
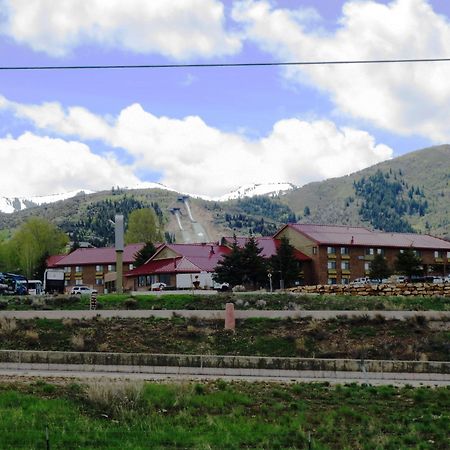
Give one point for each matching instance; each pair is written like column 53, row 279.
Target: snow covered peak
column 12, row 204
column 250, row 190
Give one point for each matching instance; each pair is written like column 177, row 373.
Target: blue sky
column 210, row 130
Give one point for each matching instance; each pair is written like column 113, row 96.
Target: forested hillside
column 409, row 193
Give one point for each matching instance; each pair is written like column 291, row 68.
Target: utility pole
column 118, row 227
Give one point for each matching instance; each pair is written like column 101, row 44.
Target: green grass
column 223, row 415
column 242, row 301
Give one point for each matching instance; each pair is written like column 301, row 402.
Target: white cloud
column 194, row 157
column 34, row 165
column 178, row 29
column 404, row 98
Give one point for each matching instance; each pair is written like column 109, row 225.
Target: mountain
column 408, row 193
column 9, row 205
column 413, row 191
column 251, row 190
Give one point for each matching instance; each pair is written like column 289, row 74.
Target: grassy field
column 242, row 301
column 221, row 415
column 414, row 339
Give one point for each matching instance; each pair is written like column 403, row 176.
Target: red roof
column 191, row 258
column 360, row 236
column 52, row 260
column 268, row 245
column 105, row 255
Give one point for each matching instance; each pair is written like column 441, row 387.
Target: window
column 99, row 268
column 331, row 250
column 380, row 251
column 402, row 251
column 111, row 267
column 345, row 280
column 99, row 281
column 332, row 281
column 344, row 251
column 79, row 282
column 141, row 281
column 448, row 255
column 417, row 252
column 438, row 254
column 130, row 266
column 67, row 269
column 78, row 269
column 345, row 265
column 367, row 266
column 331, row 265
column 370, row 251
column 165, row 278
column 315, row 250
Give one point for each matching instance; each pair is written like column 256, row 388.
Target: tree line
column 245, row 265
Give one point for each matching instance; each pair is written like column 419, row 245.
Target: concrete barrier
column 141, row 362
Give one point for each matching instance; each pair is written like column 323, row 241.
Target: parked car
column 221, row 286
column 159, row 286
column 361, row 281
column 82, row 290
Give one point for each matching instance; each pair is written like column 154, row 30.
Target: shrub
column 7, row 326
column 130, row 303
column 77, row 342
column 116, row 398
column 31, row 336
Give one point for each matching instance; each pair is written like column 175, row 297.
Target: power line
column 237, row 64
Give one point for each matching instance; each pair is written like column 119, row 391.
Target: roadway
column 195, row 374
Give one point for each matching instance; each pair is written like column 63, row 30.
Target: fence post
column 47, row 438
column 230, row 321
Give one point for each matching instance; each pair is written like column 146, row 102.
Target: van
column 361, row 281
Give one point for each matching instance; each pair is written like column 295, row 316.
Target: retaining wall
column 140, row 361
column 402, row 289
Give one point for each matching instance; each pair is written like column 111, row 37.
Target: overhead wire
column 218, row 65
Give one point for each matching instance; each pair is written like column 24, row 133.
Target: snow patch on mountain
column 12, row 204
column 250, row 190
column 9, row 205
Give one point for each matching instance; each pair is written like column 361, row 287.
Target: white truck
column 54, row 281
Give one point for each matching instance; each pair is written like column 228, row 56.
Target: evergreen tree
column 408, row 263
column 229, row 268
column 284, row 266
column 143, row 255
column 254, row 266
column 379, row 268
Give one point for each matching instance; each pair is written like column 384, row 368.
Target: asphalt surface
column 303, row 377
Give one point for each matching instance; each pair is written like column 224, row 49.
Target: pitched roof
column 191, row 258
column 52, row 260
column 104, row 255
column 268, row 246
column 360, row 236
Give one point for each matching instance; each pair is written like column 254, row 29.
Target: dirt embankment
column 415, row 339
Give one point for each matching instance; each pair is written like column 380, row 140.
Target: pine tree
column 379, row 268
column 229, row 268
column 143, row 255
column 254, row 266
column 284, row 265
column 408, row 263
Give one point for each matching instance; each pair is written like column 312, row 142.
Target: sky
column 208, row 131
